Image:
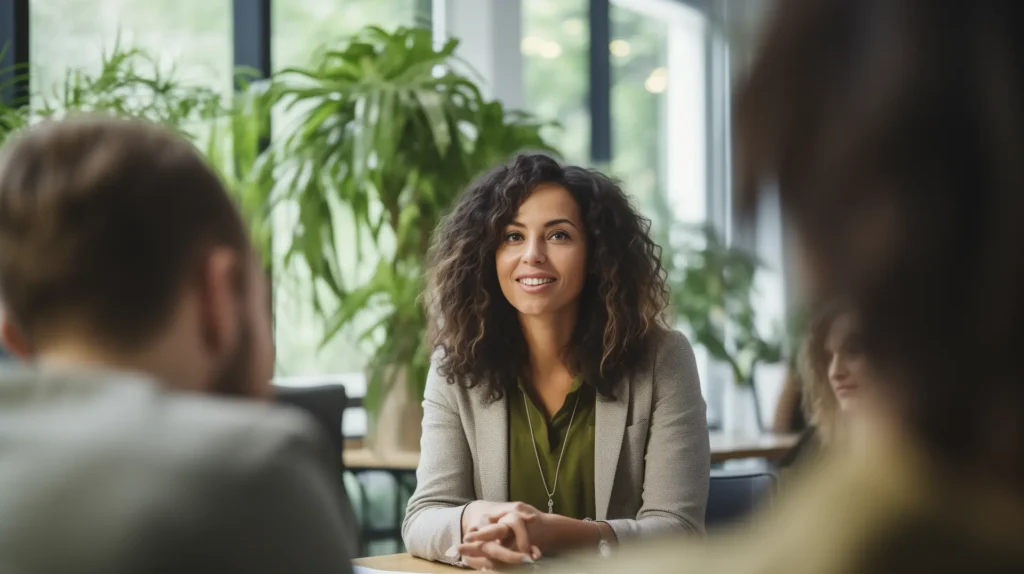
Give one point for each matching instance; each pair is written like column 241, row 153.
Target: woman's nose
column 837, row 368
column 534, row 254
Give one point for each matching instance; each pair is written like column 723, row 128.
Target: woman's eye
column 559, row 236
column 514, row 236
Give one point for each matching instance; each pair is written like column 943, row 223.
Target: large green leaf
column 432, row 104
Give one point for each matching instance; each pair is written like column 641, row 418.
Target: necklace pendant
column 551, row 506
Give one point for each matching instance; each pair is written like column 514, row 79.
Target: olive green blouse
column 574, row 494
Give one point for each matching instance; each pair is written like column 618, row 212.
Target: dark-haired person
column 560, row 412
column 893, row 131
column 130, row 441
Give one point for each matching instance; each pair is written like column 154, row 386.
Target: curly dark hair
column 477, row 330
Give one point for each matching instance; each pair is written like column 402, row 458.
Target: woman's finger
column 497, row 514
column 522, row 536
column 499, row 553
column 493, row 551
column 478, row 563
column 509, row 527
column 489, row 533
column 472, row 549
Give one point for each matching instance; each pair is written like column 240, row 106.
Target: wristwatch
column 604, row 548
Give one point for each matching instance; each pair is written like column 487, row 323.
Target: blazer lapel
column 610, row 428
column 492, row 448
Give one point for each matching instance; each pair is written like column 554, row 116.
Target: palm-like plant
column 130, row 83
column 385, row 126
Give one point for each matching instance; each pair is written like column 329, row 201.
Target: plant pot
column 397, row 426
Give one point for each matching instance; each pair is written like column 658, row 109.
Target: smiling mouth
column 535, row 281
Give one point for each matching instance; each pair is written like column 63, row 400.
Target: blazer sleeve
column 678, row 457
column 444, row 477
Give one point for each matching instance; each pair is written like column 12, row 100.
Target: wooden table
column 724, row 446
column 769, row 446
column 406, row 563
column 368, row 459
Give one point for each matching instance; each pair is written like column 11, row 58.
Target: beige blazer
column 651, row 458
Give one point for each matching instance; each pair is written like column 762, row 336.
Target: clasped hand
column 501, row 533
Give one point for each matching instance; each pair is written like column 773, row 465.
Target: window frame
column 252, row 48
column 14, row 48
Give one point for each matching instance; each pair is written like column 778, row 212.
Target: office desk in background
column 724, row 446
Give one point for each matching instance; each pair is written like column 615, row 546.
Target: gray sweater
column 109, row 473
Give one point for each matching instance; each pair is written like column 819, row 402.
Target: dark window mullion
column 251, row 35
column 600, row 83
column 14, row 47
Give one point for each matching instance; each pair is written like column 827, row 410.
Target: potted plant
column 712, row 292
column 384, row 126
column 130, row 83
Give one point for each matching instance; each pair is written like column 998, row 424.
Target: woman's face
column 542, row 258
column 847, row 368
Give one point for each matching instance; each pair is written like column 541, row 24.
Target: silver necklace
column 550, row 493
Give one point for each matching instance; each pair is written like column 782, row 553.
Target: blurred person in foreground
column 131, row 290
column 895, row 131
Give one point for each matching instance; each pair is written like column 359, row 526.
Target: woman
column 554, row 377
column 834, row 374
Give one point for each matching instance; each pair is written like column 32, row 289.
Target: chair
column 735, row 495
column 325, row 403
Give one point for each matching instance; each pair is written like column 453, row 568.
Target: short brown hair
column 895, row 131
column 102, row 221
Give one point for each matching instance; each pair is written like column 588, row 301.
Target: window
column 659, row 133
column 658, row 85
column 555, row 47
column 299, row 28
column 186, row 43
column 659, row 96
column 192, row 36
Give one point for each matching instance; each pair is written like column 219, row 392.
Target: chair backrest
column 735, row 495
column 325, row 403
